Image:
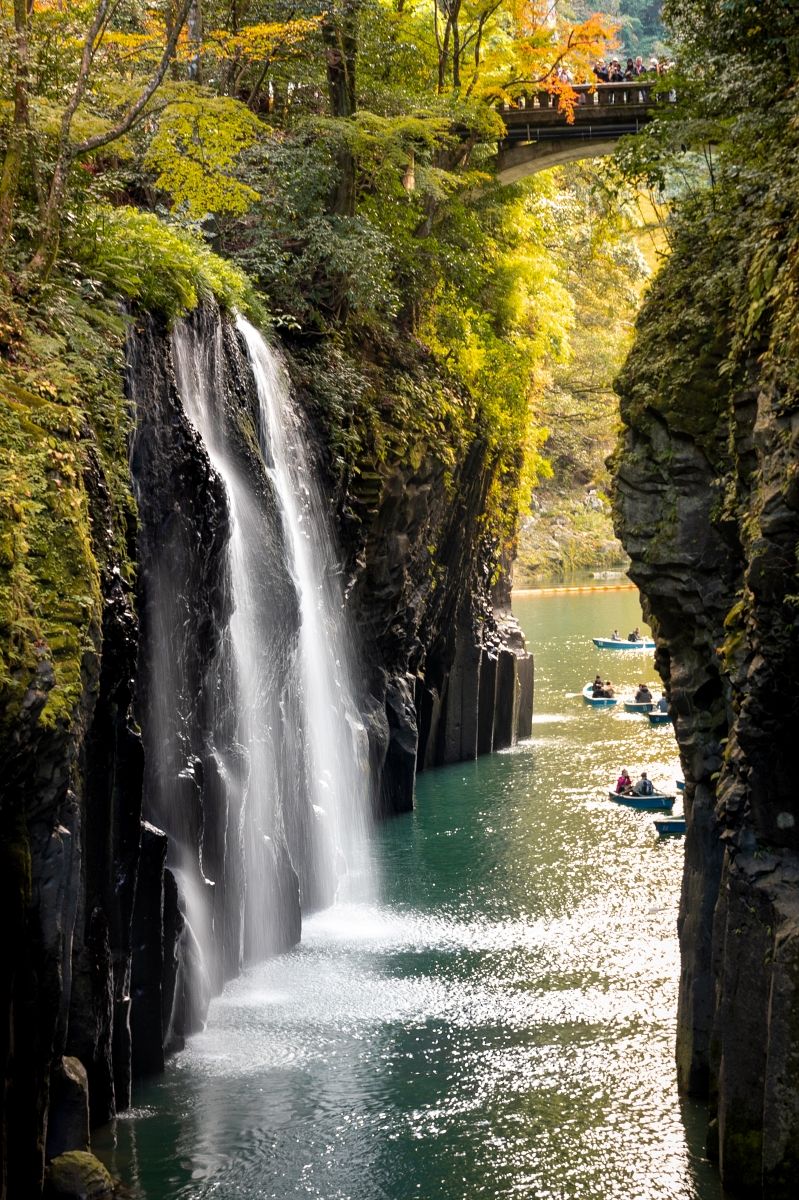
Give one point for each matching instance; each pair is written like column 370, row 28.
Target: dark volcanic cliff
column 708, row 510
column 448, row 660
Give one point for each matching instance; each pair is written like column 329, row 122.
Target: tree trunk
column 456, row 46
column 19, row 127
column 42, row 262
column 340, row 36
column 443, row 54
column 195, row 24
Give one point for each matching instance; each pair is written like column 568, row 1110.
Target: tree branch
column 134, row 112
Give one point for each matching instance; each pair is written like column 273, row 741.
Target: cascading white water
column 254, row 630
column 334, row 734
column 287, row 742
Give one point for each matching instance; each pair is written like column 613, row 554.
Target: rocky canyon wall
column 707, row 507
column 446, row 672
column 127, row 864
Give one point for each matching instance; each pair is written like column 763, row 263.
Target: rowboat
column 673, row 825
column 599, row 701
column 656, row 800
column 632, row 706
column 612, row 644
column 680, row 785
column 658, row 718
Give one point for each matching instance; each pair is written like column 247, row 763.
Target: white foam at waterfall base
column 336, row 737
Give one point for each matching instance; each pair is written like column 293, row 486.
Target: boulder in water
column 78, row 1175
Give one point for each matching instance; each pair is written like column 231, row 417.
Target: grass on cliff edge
column 64, row 423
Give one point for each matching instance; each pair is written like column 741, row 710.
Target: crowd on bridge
column 613, row 72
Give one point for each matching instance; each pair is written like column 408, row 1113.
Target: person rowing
column 598, row 685
column 662, row 704
column 624, row 784
column 643, row 695
column 635, row 636
column 643, row 787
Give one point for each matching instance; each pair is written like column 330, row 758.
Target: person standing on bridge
column 601, row 71
column 615, row 72
column 639, row 66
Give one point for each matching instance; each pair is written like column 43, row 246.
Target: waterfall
column 257, row 754
column 332, row 726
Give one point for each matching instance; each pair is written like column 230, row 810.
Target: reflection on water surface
column 500, row 1024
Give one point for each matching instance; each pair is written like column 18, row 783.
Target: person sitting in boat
column 662, row 704
column 616, row 636
column 635, row 636
column 624, row 784
column 597, row 689
column 643, row 695
column 608, row 690
column 644, row 786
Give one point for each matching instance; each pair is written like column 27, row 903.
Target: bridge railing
column 590, row 96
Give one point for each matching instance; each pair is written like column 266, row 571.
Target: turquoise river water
column 498, row 1022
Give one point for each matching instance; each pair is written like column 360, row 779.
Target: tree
column 19, row 128
column 68, row 151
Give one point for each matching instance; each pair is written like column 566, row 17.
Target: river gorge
column 325, row 329
column 490, row 1012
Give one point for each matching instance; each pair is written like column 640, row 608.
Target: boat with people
column 597, row 701
column 658, row 717
column 672, row 825
column 631, row 800
column 641, row 794
column 644, row 706
column 613, row 644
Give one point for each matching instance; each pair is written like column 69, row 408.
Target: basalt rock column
column 708, row 510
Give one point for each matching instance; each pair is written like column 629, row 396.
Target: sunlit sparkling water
column 499, row 1024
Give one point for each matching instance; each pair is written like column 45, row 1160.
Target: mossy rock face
column 66, row 512
column 78, row 1175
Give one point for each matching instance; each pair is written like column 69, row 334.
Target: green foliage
column 727, row 296
column 445, row 306
column 601, row 266
column 397, row 405
column 309, row 263
column 194, row 152
column 164, row 269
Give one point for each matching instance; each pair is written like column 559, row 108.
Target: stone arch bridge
column 539, row 137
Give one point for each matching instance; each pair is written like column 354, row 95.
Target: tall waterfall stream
column 330, row 720
column 285, row 732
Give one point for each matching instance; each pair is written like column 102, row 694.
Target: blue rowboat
column 680, row 785
column 656, row 800
column 631, row 706
column 658, row 718
column 674, row 825
column 600, row 702
column 610, row 644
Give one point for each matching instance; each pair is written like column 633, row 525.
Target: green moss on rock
column 78, row 1175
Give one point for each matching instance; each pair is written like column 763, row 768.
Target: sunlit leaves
column 259, row 42
column 194, row 153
